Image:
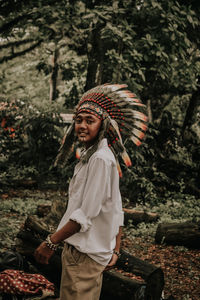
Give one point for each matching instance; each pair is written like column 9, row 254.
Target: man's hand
column 112, row 262
column 43, row 253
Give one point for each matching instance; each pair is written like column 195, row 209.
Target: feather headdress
column 123, row 113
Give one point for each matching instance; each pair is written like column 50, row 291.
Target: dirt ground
column 181, row 266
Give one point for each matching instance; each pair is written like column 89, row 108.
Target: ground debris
column 181, row 266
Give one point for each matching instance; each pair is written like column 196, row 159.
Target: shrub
column 30, row 140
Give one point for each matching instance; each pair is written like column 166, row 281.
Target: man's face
column 87, row 128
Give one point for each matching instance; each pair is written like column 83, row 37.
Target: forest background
column 52, row 51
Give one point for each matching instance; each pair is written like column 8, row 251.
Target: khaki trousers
column 81, row 276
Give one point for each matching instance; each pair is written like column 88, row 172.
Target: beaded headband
column 122, row 112
column 93, row 108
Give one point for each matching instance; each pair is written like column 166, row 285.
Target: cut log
column 43, row 210
column 25, row 183
column 133, row 215
column 181, row 234
column 153, row 275
column 137, row 216
column 58, row 209
column 36, row 226
column 26, row 245
column 115, row 285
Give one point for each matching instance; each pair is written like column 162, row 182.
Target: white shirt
column 95, row 203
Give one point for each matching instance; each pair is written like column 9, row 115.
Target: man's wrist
column 117, row 253
column 50, row 244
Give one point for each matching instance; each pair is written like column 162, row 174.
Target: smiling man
column 87, row 127
column 91, row 225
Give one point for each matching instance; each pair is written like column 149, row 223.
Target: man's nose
column 83, row 124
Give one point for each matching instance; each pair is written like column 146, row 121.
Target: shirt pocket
column 77, row 183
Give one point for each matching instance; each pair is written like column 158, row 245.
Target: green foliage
column 151, row 45
column 30, row 141
column 178, row 208
column 14, row 173
column 161, row 165
column 73, row 72
column 21, row 206
column 14, row 211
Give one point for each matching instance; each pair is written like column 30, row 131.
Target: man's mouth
column 82, row 135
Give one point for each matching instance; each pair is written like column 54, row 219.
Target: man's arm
column 117, row 249
column 70, row 228
column 118, row 239
column 43, row 253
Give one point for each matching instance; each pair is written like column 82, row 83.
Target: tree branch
column 16, row 43
column 8, row 26
column 20, row 53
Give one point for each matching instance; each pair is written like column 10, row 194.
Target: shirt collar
column 103, row 143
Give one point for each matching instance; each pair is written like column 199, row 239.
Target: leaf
column 141, row 74
column 189, row 18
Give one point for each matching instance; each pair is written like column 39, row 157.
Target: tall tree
column 150, row 44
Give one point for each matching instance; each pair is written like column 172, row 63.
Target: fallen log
column 138, row 216
column 43, row 210
column 27, row 248
column 133, row 215
column 117, row 286
column 181, row 234
column 123, row 287
column 152, row 275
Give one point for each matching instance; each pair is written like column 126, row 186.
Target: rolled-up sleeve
column 96, row 191
column 79, row 217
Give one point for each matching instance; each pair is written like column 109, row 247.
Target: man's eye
column 89, row 121
column 78, row 121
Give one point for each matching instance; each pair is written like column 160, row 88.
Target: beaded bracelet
column 117, row 253
column 49, row 243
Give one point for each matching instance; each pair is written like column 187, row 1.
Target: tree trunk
column 94, row 58
column 189, row 117
column 117, row 70
column 136, row 216
column 116, row 285
column 182, row 234
column 101, row 53
column 54, row 76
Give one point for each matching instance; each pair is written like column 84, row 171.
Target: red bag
column 21, row 283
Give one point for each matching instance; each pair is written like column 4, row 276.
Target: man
column 91, row 226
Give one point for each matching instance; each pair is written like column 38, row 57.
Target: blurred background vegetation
column 52, row 51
